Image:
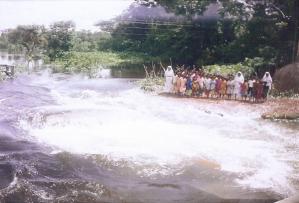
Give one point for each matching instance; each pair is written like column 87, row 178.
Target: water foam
column 148, row 129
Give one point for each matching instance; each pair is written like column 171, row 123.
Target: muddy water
column 73, row 139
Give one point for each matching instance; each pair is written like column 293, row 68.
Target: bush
column 88, row 62
column 152, row 84
column 226, row 70
column 260, row 64
column 256, row 65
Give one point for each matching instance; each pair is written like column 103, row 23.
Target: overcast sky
column 85, row 13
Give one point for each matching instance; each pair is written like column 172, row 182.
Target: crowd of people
column 196, row 83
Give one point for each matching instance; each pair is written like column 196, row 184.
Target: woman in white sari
column 238, row 81
column 169, row 78
column 267, row 80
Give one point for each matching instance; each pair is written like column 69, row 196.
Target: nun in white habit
column 169, row 77
column 238, row 81
column 267, row 80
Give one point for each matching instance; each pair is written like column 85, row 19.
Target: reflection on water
column 11, row 59
column 18, row 59
column 132, row 71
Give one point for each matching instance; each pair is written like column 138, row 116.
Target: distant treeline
column 53, row 42
column 262, row 32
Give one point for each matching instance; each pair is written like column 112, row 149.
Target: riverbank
column 272, row 109
column 282, row 108
column 275, row 108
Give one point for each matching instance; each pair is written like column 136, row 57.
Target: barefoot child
column 230, row 88
column 200, row 81
column 183, row 82
column 195, row 86
column 250, row 88
column 218, row 87
column 189, row 86
column 213, row 87
column 207, row 86
column 258, row 88
column 244, row 90
column 177, row 84
column 223, row 88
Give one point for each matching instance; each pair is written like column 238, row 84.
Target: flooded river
column 71, row 139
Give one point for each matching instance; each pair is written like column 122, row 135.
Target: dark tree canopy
column 59, row 38
column 263, row 34
column 264, row 31
column 181, row 7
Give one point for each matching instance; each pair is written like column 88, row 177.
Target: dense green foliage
column 253, row 37
column 86, row 41
column 31, row 37
column 91, row 61
column 263, row 31
column 59, row 38
column 6, row 45
column 248, row 67
column 229, row 70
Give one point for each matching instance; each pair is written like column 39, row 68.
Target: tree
column 31, row 37
column 188, row 8
column 267, row 29
column 86, row 41
column 59, row 38
column 3, row 41
column 295, row 16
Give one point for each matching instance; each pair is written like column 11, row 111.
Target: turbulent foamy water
column 139, row 146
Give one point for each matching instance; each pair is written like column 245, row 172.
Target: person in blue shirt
column 189, row 86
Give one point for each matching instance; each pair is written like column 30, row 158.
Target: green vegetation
column 264, row 31
column 32, row 38
column 6, row 45
column 75, row 62
column 248, row 67
column 251, row 37
column 59, row 39
column 151, row 84
column 227, row 70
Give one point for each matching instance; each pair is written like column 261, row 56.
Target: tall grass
column 86, row 62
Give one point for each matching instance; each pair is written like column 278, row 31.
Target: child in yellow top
column 223, row 88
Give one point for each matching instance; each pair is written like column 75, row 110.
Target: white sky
column 85, row 13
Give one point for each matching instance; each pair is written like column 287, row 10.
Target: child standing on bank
column 258, row 89
column 189, row 86
column 223, row 88
column 250, row 88
column 207, row 86
column 230, row 88
column 213, row 87
column 244, row 90
column 218, row 87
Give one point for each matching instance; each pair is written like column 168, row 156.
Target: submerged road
column 71, row 139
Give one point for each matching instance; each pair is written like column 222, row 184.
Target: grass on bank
column 77, row 62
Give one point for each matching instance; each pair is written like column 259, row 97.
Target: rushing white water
column 114, row 118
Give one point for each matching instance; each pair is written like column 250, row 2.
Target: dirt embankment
column 286, row 79
column 278, row 108
column 282, row 109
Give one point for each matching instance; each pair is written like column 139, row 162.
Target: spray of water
column 115, row 119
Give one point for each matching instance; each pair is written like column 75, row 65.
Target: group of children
column 196, row 83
